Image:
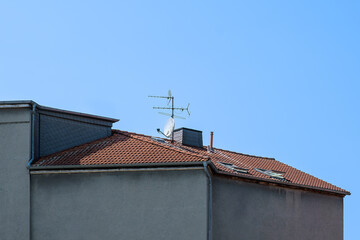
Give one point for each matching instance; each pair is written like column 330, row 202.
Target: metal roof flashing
column 30, row 103
column 56, row 110
column 16, row 104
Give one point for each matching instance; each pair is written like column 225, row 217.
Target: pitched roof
column 124, row 148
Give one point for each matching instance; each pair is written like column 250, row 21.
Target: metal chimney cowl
column 189, row 137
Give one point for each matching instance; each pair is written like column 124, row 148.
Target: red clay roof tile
column 123, row 148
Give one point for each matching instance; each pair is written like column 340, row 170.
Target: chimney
column 189, row 137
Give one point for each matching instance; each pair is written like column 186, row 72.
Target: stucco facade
column 244, row 210
column 126, row 204
column 15, row 152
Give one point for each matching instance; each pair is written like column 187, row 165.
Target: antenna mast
column 172, row 108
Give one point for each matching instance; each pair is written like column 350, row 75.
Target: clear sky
column 270, row 78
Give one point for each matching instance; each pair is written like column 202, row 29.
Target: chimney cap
column 190, row 129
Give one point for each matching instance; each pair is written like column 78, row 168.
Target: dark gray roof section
column 56, row 129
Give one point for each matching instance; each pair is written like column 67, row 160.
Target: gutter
column 114, row 166
column 152, row 169
column 205, row 164
column 34, row 105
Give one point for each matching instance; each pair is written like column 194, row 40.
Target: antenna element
column 170, row 124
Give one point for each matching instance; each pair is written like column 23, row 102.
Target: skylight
column 160, row 140
column 225, row 164
column 271, row 173
column 234, row 168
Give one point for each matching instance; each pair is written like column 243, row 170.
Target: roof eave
column 106, row 166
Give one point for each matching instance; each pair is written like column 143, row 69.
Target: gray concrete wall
column 15, row 143
column 121, row 205
column 244, row 210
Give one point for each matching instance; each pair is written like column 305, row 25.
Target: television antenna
column 170, row 124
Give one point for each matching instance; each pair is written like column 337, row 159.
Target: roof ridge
column 127, row 132
column 146, row 139
column 147, row 136
column 244, row 154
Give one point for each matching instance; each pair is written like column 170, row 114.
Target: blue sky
column 270, row 78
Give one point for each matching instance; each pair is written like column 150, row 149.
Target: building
column 68, row 175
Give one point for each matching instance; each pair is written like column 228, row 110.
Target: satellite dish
column 169, row 127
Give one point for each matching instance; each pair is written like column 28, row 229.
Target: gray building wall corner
column 15, row 152
column 244, row 210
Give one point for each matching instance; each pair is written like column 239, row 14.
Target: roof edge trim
column 112, row 120
column 108, row 166
column 16, row 104
column 283, row 184
column 30, row 103
column 111, row 170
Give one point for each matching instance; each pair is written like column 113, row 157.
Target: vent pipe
column 211, row 140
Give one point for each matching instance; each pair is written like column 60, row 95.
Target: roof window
column 240, row 170
column 225, row 164
column 271, row 173
column 234, row 168
column 160, row 140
